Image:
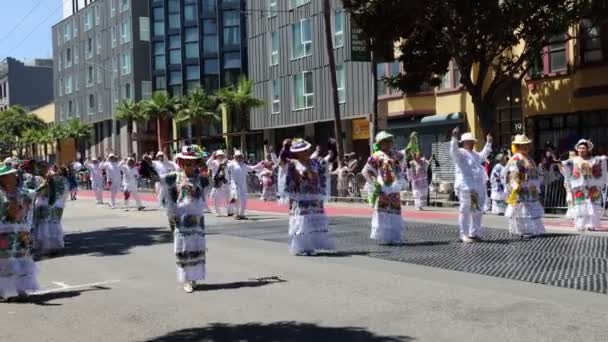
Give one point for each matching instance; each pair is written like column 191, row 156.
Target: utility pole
column 334, row 80
column 373, row 127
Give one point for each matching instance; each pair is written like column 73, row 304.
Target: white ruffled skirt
column 526, row 219
column 387, row 228
column 189, row 242
column 587, row 215
column 310, row 233
column 17, row 275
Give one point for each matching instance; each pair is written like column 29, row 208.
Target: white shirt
column 164, row 167
column 112, row 171
column 237, row 173
column 95, row 171
column 130, row 177
column 470, row 173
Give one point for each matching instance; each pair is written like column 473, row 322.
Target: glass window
column 159, row 28
column 341, row 78
column 274, row 48
column 144, row 29
column 232, row 32
column 209, row 7
column 125, row 31
column 394, row 69
column 174, row 22
column 557, row 55
column 124, row 5
column 125, row 63
column 98, row 39
column 339, row 29
column 128, row 91
column 112, row 8
column 100, row 74
column 211, row 67
column 303, row 91
column 90, row 75
column 210, row 45
column 189, row 13
column 276, row 96
column 159, row 56
column 301, row 39
column 97, row 15
column 113, row 30
column 175, row 78
column 159, row 21
column 193, row 72
column 380, row 83
column 191, row 38
column 91, row 102
column 88, row 20
column 68, row 85
column 192, row 50
column 160, row 82
column 210, row 26
column 174, row 42
column 298, row 3
column 173, row 6
column 232, row 60
column 175, row 56
column 273, row 8
column 174, row 18
column 158, row 13
column 592, row 42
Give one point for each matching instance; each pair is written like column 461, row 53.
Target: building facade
column 102, row 55
column 289, row 66
column 197, row 44
column 29, row 85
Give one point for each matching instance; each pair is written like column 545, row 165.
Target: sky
column 26, row 36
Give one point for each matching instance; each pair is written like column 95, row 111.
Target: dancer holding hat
column 586, row 175
column 217, row 166
column 162, row 166
column 384, row 175
column 307, row 187
column 186, row 207
column 522, row 181
column 114, row 178
column 470, row 185
column 96, row 173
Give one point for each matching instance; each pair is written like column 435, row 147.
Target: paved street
column 116, row 282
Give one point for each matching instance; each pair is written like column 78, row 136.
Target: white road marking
column 74, row 287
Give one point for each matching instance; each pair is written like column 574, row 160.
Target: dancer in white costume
column 96, row 173
column 470, row 185
column 185, row 196
column 384, row 175
column 417, row 174
column 113, row 177
column 307, row 187
column 238, row 171
column 266, row 175
column 498, row 194
column 217, row 165
column 586, row 175
column 18, row 272
column 130, row 183
column 162, row 167
column 47, row 232
column 522, row 181
column 569, row 199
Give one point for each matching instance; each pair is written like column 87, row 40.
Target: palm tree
column 130, row 112
column 197, row 107
column 238, row 101
column 45, row 139
column 57, row 133
column 29, row 139
column 160, row 107
column 78, row 131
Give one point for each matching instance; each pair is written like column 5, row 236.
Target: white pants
column 221, row 199
column 241, row 201
column 160, row 194
column 114, row 190
column 136, row 197
column 471, row 212
column 98, row 189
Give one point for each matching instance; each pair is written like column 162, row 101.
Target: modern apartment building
column 70, row 7
column 198, row 44
column 26, row 84
column 102, row 55
column 289, row 66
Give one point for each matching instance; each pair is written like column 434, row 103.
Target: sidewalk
column 441, row 215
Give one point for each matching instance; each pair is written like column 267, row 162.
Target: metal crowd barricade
column 553, row 195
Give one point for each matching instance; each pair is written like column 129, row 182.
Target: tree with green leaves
column 131, row 112
column 492, row 42
column 237, row 101
column 57, row 133
column 197, row 107
column 160, row 107
column 79, row 132
column 14, row 122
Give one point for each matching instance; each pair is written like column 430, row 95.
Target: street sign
column 518, row 126
column 359, row 47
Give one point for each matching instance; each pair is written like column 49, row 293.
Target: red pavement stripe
column 339, row 210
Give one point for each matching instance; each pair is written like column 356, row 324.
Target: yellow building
column 53, row 153
column 564, row 98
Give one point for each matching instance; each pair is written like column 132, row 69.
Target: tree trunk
column 158, row 134
column 334, row 81
column 200, row 132
column 484, row 112
column 130, row 137
column 46, row 151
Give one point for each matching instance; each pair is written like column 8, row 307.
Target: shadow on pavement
column 279, row 331
column 238, row 284
column 114, row 241
column 45, row 298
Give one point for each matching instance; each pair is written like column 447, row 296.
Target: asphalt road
column 116, row 282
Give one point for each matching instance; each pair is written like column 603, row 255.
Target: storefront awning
column 432, row 120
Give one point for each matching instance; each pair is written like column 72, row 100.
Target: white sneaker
column 467, row 239
column 189, row 287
